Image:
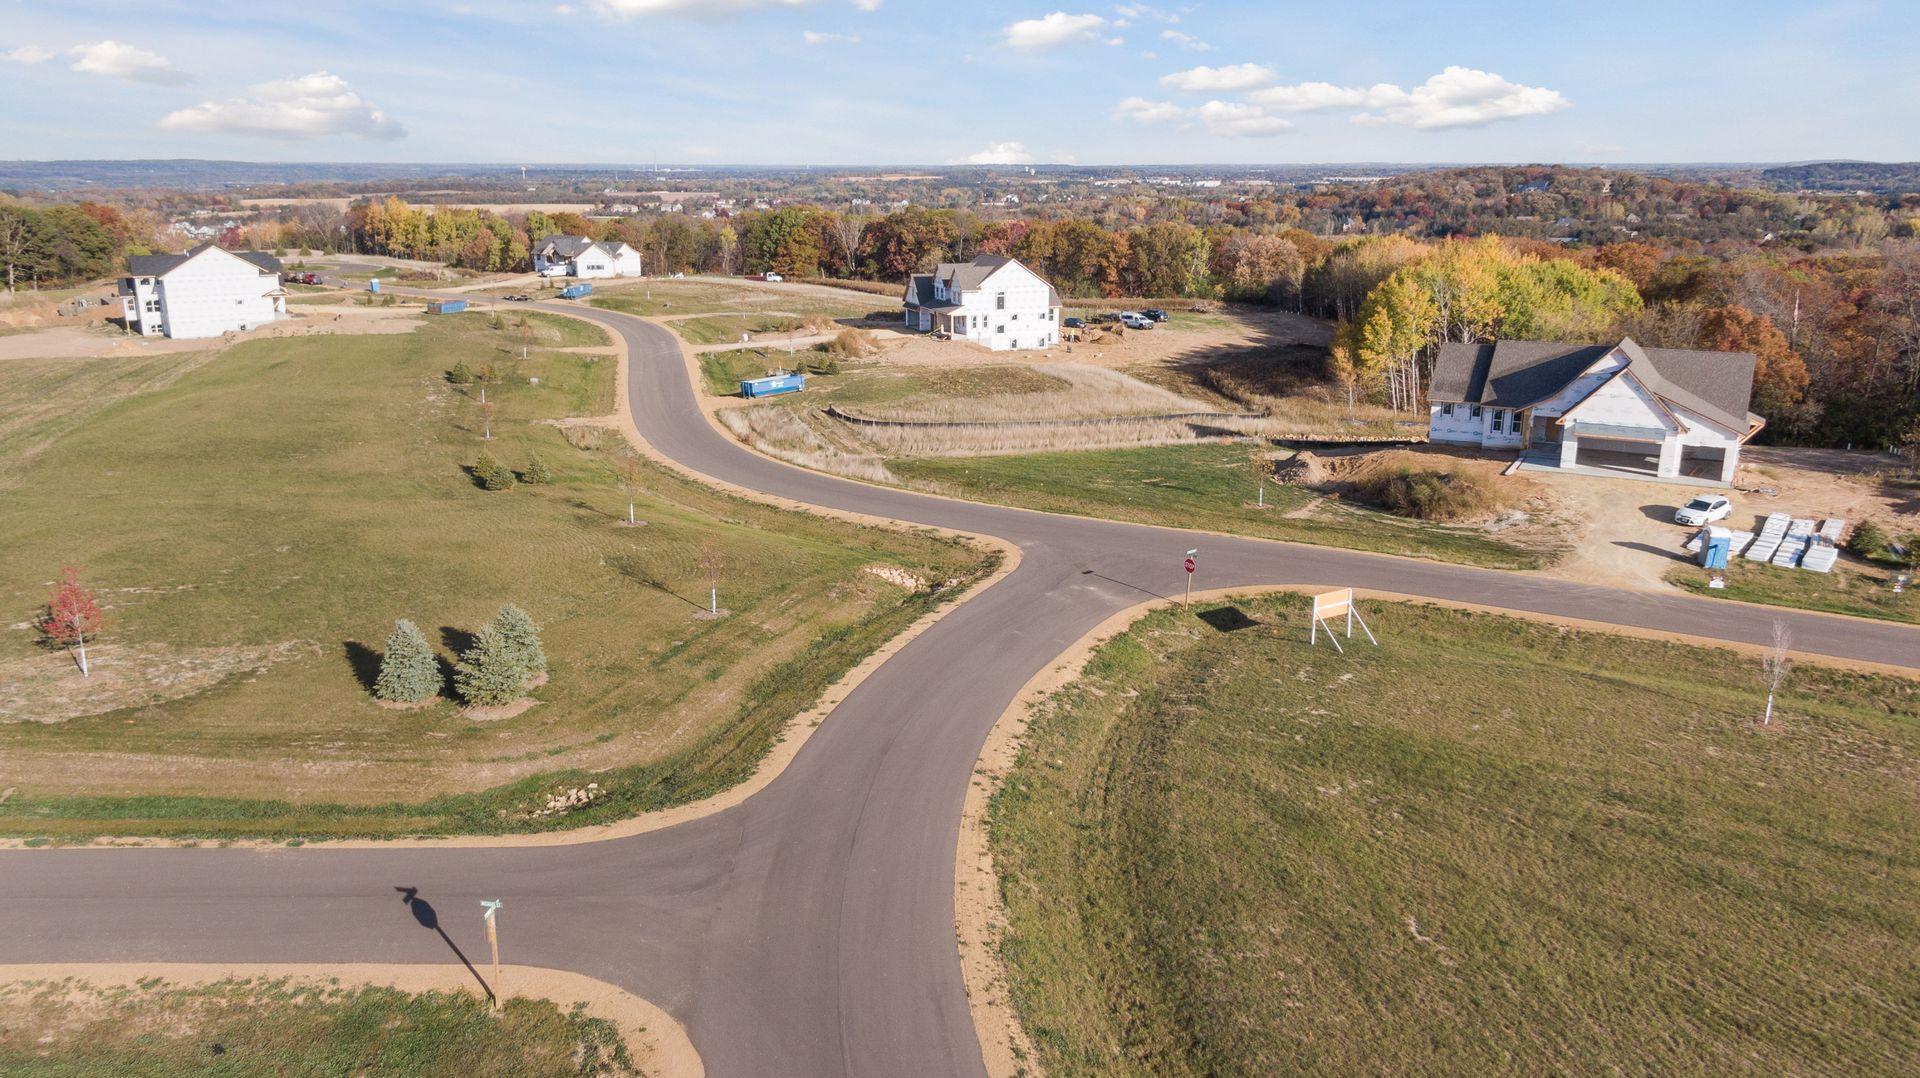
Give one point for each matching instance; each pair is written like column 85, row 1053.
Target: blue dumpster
column 772, row 385
column 447, row 306
column 575, row 291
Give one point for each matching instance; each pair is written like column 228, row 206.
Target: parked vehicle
column 675, row 275
column 776, row 278
column 576, row 291
column 517, row 297
column 1705, row 509
column 554, row 271
column 1155, row 313
column 1074, row 323
column 1135, row 320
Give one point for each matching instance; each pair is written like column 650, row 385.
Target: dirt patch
column 101, row 340
column 50, row 688
column 499, row 712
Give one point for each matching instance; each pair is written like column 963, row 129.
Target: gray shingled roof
column 1519, row 374
column 962, row 277
column 161, row 265
column 566, row 246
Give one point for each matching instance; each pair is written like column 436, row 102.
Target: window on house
column 1475, row 413
column 999, row 301
column 999, row 329
column 1513, row 422
column 1446, row 409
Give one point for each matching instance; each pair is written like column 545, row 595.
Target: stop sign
column 1189, row 565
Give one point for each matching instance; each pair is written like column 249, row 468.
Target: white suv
column 1705, row 509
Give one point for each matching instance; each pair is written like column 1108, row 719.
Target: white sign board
column 1336, row 604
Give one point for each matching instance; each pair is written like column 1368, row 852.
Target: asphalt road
column 809, row 930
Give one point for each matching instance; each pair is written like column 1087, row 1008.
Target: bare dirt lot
column 103, row 340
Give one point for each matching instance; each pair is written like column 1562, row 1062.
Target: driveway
column 808, row 930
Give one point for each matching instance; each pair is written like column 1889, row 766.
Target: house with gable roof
column 206, row 292
column 579, row 256
column 993, row 301
column 1620, row 409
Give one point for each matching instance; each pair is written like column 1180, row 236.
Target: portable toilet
column 1716, row 547
column 373, row 285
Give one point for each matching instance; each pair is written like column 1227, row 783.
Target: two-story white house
column 204, row 293
column 992, row 300
column 578, row 256
column 1619, row 408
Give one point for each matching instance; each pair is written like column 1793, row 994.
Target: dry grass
column 1085, row 393
column 780, row 432
column 964, row 440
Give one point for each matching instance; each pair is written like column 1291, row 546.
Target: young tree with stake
column 630, row 484
column 72, row 617
column 1775, row 665
column 712, row 560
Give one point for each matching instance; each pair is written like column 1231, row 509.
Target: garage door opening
column 1702, row 462
column 1619, row 455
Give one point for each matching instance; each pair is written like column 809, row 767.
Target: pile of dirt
column 1426, row 483
column 1302, row 469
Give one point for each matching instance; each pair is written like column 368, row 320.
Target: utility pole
column 492, row 906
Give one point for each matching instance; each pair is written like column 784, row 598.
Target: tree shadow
column 633, row 570
column 1681, row 556
column 456, row 640
column 1227, row 619
column 429, row 918
column 365, row 662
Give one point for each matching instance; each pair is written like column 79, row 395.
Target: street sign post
column 492, row 906
column 1190, row 568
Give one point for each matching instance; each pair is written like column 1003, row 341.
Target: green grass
column 1486, row 846
column 720, row 328
column 671, row 298
column 724, row 370
column 1207, row 486
column 294, row 496
column 68, row 1029
column 1861, row 591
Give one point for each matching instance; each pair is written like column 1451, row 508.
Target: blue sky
column 873, row 82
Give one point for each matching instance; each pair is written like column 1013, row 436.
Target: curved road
column 810, row 929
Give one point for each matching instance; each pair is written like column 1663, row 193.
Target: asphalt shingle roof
column 1520, row 374
column 161, row 265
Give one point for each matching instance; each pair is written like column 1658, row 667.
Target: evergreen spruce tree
column 491, row 474
column 461, row 374
column 490, row 673
column 537, row 470
column 517, row 628
column 408, row 672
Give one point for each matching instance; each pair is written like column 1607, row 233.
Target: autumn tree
column 72, row 617
column 1780, row 377
column 409, row 673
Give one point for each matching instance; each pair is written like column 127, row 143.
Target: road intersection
column 808, row 930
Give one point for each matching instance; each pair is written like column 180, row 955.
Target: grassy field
column 69, row 1029
column 723, row 371
column 1207, row 486
column 1487, row 846
column 1859, row 591
column 255, row 524
column 720, row 328
column 673, row 298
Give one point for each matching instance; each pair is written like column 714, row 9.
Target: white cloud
column 1002, row 153
column 1313, row 96
column 1133, row 12
column 868, row 5
column 622, row 9
column 28, row 54
column 1052, row 31
column 1140, row 110
column 1457, row 97
column 815, row 37
column 1238, row 120
column 1465, row 97
column 1185, row 41
column 1215, row 80
column 312, row 106
column 123, row 61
